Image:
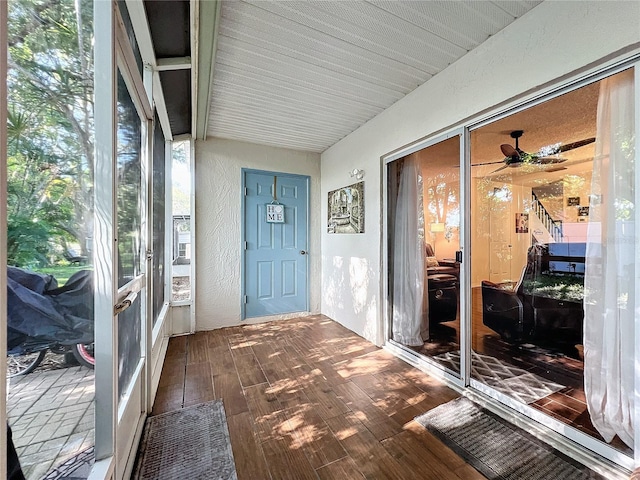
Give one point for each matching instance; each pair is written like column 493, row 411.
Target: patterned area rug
column 496, row 448
column 512, row 381
column 190, row 443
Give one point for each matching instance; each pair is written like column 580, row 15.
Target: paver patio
column 51, row 413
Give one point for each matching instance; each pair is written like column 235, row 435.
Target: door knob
column 303, row 252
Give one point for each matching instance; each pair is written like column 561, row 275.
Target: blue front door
column 275, row 254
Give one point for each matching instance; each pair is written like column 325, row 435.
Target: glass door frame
column 516, row 412
column 497, row 401
column 414, row 358
column 119, row 421
column 3, row 235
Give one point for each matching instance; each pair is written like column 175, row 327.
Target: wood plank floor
column 308, row 399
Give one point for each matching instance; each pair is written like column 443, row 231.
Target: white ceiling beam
column 176, row 63
column 161, row 106
column 208, row 25
column 194, row 15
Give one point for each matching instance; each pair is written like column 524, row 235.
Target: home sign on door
column 275, row 213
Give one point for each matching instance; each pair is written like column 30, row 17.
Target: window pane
column 129, row 350
column 552, row 258
column 129, row 183
column 158, row 219
column 128, row 26
column 181, row 258
column 424, row 277
column 50, row 185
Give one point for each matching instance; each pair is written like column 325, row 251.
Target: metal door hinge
column 245, row 299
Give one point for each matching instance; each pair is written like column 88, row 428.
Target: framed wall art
column 346, row 209
column 522, row 223
column 583, row 211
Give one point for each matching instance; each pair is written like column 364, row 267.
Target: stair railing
column 554, row 228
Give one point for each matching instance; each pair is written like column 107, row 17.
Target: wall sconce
column 357, row 172
column 437, row 227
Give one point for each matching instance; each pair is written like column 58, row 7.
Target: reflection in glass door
column 130, row 240
column 552, row 262
column 424, row 236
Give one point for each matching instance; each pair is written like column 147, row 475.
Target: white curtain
column 410, row 324
column 609, row 301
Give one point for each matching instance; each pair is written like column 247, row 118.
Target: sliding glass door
column 548, row 201
column 553, row 264
column 424, row 215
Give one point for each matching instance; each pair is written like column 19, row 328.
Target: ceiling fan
column 515, row 157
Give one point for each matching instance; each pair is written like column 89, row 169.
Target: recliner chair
column 546, row 305
column 503, row 309
column 435, row 267
column 443, row 289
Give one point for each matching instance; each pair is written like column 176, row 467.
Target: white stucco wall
column 553, row 40
column 218, row 224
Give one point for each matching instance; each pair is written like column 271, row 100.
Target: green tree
column 50, row 125
column 38, row 196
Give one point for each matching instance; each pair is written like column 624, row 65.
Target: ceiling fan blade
column 508, row 150
column 571, row 146
column 555, row 169
column 501, row 168
column 514, row 158
column 578, row 162
column 548, row 160
column 486, row 163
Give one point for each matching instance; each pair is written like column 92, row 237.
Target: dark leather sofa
column 545, row 307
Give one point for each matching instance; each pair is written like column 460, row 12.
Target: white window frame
column 192, row 227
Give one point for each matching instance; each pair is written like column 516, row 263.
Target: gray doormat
column 496, row 448
column 190, row 443
column 512, row 381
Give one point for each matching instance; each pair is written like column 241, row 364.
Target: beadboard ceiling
column 304, row 74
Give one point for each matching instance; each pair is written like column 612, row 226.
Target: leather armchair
column 536, row 309
column 435, row 268
column 503, row 311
